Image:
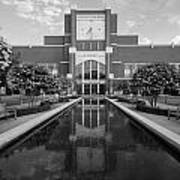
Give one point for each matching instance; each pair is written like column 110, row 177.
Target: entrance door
column 94, row 88
column 87, row 89
column 90, row 76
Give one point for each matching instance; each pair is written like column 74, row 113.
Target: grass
column 170, row 100
column 17, row 99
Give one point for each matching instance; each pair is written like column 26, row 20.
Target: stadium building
column 91, row 53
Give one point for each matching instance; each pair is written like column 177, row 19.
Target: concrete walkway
column 159, row 125
column 10, row 123
column 12, row 129
column 172, row 124
column 166, row 106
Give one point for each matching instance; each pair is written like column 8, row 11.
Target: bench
column 175, row 113
column 6, row 111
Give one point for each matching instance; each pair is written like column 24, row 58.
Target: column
column 90, row 82
column 83, row 112
column 98, row 46
column 109, row 51
column 72, row 53
column 98, row 113
column 98, row 76
column 82, row 77
column 90, row 113
column 111, row 77
column 72, row 50
column 73, row 27
column 108, row 19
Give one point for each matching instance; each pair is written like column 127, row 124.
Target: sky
column 25, row 22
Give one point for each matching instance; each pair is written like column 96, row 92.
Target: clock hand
column 89, row 30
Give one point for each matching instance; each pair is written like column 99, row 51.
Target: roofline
column 35, row 46
column 144, row 45
column 89, row 9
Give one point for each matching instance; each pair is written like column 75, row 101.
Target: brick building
column 92, row 54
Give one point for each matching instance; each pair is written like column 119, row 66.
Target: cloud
column 145, row 41
column 6, row 2
column 130, row 23
column 176, row 40
column 146, row 6
column 47, row 12
column 174, row 19
column 140, row 10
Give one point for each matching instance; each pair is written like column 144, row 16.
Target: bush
column 141, row 103
column 127, row 100
column 63, row 99
column 45, row 103
column 151, row 110
column 33, row 110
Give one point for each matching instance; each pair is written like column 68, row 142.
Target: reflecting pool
column 92, row 140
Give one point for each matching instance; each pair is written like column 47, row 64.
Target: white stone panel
column 82, row 56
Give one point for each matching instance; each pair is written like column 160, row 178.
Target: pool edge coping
column 165, row 134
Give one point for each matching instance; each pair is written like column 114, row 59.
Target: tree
column 5, row 61
column 27, row 77
column 154, row 79
column 33, row 79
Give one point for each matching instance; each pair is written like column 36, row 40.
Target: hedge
column 152, row 110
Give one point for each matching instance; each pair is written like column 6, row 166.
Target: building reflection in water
column 90, row 127
column 93, row 140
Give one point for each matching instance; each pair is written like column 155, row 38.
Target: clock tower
column 90, row 51
column 90, row 27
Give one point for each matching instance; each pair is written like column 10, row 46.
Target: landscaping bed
column 28, row 111
column 127, row 100
column 152, row 110
column 33, row 110
column 141, row 106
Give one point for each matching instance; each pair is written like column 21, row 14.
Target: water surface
column 93, row 140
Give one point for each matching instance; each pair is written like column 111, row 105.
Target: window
column 127, row 71
column 94, row 70
column 51, row 67
column 86, row 88
column 94, row 88
column 87, row 70
column 78, row 71
column 102, row 71
column 131, row 68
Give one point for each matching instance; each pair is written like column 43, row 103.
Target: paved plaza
column 172, row 124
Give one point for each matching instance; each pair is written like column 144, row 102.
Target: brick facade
column 127, row 53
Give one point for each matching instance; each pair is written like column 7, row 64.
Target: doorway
column 90, row 78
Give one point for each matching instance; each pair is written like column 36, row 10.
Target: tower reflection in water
column 90, row 137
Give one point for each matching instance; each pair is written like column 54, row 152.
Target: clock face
column 90, row 27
